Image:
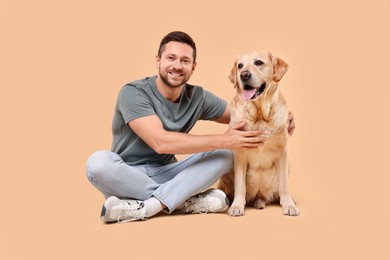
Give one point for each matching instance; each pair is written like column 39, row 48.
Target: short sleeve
column 213, row 107
column 134, row 103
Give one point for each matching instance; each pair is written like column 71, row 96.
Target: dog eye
column 259, row 63
column 240, row 65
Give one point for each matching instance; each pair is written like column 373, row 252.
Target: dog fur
column 260, row 175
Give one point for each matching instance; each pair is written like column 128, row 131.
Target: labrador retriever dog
column 260, row 175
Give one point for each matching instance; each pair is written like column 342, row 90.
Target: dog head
column 254, row 73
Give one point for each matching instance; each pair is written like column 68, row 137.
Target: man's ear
column 233, row 74
column 279, row 67
column 193, row 67
column 157, row 62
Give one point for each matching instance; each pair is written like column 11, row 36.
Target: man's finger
column 238, row 125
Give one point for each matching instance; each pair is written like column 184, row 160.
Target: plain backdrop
column 62, row 64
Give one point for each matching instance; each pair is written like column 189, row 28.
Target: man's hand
column 242, row 139
column 291, row 123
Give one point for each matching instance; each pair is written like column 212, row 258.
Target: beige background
column 62, row 64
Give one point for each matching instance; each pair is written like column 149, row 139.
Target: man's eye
column 240, row 65
column 259, row 63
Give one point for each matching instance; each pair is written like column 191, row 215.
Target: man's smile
column 176, row 74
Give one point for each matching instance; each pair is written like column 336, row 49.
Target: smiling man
column 141, row 176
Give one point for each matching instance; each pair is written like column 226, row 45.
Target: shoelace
column 197, row 205
column 126, row 211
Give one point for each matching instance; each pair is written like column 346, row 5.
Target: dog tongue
column 248, row 94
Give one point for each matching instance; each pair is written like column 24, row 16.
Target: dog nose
column 245, row 75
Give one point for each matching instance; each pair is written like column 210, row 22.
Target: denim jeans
column 172, row 184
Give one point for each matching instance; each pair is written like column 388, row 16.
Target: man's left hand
column 291, row 123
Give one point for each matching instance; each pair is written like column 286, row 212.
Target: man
column 140, row 176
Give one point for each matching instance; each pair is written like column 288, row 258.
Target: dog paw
column 291, row 210
column 259, row 204
column 236, row 211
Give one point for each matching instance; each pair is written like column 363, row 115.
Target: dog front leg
column 287, row 202
column 238, row 206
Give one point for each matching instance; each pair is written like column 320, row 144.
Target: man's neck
column 170, row 93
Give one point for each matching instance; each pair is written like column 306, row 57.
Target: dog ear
column 279, row 67
column 233, row 74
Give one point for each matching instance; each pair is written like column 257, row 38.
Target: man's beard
column 169, row 83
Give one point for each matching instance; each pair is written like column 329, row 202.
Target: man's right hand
column 238, row 138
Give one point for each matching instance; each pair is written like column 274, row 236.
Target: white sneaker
column 210, row 201
column 116, row 210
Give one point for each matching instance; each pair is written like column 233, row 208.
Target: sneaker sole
column 108, row 204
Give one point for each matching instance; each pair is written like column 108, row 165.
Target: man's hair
column 177, row 36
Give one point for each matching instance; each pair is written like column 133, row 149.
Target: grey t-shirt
column 141, row 98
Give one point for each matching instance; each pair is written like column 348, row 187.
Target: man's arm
column 151, row 131
column 225, row 118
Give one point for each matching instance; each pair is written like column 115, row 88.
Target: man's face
column 176, row 64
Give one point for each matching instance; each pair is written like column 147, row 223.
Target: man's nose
column 245, row 75
column 177, row 64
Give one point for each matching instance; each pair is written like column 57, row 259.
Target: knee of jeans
column 226, row 157
column 97, row 164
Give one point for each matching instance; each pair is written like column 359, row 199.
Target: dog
column 260, row 175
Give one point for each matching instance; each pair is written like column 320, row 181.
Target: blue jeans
column 172, row 184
